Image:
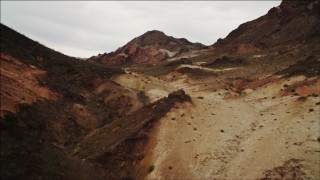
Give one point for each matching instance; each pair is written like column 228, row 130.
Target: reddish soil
column 303, row 88
column 19, row 84
column 242, row 84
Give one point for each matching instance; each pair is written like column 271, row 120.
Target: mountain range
column 246, row 107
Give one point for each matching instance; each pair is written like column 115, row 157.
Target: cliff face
column 153, row 46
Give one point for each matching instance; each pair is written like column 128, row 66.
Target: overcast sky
column 85, row 28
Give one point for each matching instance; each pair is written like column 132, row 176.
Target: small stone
column 247, row 91
column 151, row 168
column 222, row 130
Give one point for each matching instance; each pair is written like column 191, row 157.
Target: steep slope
column 53, row 106
column 26, row 61
column 293, row 22
column 46, row 103
column 153, row 46
column 19, row 84
column 49, row 102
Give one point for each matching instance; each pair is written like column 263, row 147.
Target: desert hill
column 293, row 22
column 49, row 101
column 152, row 46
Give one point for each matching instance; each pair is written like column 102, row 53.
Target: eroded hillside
column 246, row 108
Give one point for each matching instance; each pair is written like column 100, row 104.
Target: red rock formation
column 153, row 46
column 242, row 84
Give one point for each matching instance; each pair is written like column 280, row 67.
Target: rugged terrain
column 152, row 46
column 247, row 107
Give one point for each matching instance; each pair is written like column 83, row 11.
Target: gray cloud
column 87, row 28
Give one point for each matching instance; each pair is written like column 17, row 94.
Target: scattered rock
column 297, row 143
column 151, row 168
column 248, row 91
column 291, row 169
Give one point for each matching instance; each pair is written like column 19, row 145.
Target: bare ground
column 225, row 135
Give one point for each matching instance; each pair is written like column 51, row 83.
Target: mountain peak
column 153, row 32
column 152, row 46
column 152, row 37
